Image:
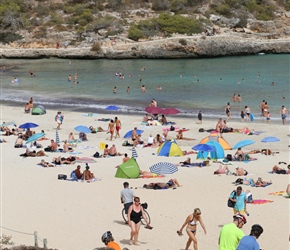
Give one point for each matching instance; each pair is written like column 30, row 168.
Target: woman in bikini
column 135, row 213
column 191, row 222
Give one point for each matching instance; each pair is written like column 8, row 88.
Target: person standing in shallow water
column 228, row 111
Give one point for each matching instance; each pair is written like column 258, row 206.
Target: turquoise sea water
column 187, row 84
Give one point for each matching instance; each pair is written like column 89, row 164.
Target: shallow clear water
column 187, row 84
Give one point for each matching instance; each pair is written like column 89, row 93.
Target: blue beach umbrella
column 35, row 137
column 203, row 147
column 83, row 129
column 112, row 108
column 28, row 125
column 243, row 143
column 162, row 168
column 129, row 133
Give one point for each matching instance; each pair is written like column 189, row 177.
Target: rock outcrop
column 177, row 47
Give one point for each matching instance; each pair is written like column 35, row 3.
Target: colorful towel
column 196, row 164
column 280, row 193
column 255, row 202
column 93, row 180
column 86, row 160
column 146, row 177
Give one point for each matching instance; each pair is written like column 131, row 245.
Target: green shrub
column 60, row 28
column 134, row 33
column 9, row 37
column 182, row 41
column 177, row 5
column 224, row 10
column 160, row 5
column 96, row 47
column 287, row 5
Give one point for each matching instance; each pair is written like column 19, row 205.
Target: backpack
column 229, row 157
column 201, row 130
column 96, row 155
column 62, row 177
column 230, row 203
column 172, row 128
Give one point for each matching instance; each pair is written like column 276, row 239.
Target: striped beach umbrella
column 162, row 168
column 134, row 153
column 57, row 137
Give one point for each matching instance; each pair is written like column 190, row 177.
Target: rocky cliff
column 176, row 47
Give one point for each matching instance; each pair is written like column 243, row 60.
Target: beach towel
column 169, row 128
column 279, row 193
column 89, row 114
column 74, row 153
column 147, row 177
column 104, row 119
column 75, row 180
column 195, row 164
column 86, row 160
column 255, row 202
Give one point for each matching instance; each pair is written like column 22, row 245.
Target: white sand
column 75, row 215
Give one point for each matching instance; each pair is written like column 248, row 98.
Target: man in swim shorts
column 283, row 113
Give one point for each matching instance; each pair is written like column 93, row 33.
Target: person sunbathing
column 2, row 140
column 186, row 162
column 83, row 136
column 163, row 120
column 278, row 170
column 33, row 153
column 67, row 147
column 27, row 134
column 261, row 183
column 267, row 152
column 19, row 142
column 77, row 174
column 239, row 155
column 179, row 135
column 172, row 183
column 62, row 160
column 97, row 129
column 254, row 151
column 240, row 171
column 113, row 151
column 222, row 170
column 144, row 174
column 71, row 138
column 45, row 164
column 244, row 130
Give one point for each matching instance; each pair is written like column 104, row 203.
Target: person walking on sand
column 135, row 213
column 59, row 119
column 199, row 117
column 231, row 234
column 118, row 126
column 248, row 113
column 250, row 241
column 240, row 199
column 283, row 113
column 191, row 223
column 111, row 128
column 228, row 111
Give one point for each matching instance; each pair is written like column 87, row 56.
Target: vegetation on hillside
column 39, row 16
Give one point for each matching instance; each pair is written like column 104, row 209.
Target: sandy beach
column 74, row 215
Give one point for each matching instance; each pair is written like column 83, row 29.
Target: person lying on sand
column 2, row 140
column 222, row 170
column 33, row 153
column 278, row 170
column 268, row 152
column 45, row 164
column 62, row 160
column 254, row 151
column 240, row 171
column 186, row 162
column 148, row 174
column 97, row 129
column 180, row 136
column 172, row 183
column 261, row 183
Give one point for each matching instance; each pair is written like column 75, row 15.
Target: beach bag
column 172, row 128
column 97, row 154
column 231, row 203
column 62, row 177
column 125, row 143
column 239, row 181
column 229, row 157
column 48, row 149
column 201, row 130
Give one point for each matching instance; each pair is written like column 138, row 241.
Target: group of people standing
column 114, row 126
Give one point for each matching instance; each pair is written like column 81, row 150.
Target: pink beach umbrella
column 170, row 111
column 154, row 110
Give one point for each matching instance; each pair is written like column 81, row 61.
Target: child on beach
column 242, row 116
column 268, row 115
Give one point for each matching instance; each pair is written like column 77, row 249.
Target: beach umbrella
column 129, row 133
column 203, row 147
column 134, row 153
column 57, row 137
column 83, row 129
column 243, row 143
column 170, row 111
column 270, row 139
column 162, row 168
column 154, row 110
column 35, row 137
column 28, row 125
column 112, row 108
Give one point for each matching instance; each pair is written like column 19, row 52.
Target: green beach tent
column 128, row 170
column 38, row 110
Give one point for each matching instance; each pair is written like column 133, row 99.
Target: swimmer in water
column 115, row 90
column 128, row 89
column 143, row 89
column 69, row 78
column 159, row 88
